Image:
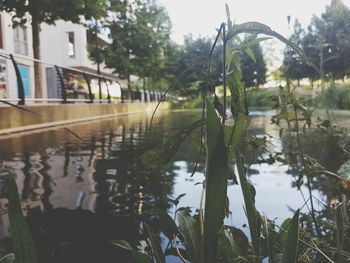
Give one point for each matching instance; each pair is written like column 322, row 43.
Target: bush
column 261, row 98
column 335, row 97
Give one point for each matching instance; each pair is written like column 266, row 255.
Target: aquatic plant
column 202, row 236
column 24, row 249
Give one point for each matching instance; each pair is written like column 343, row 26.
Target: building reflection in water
column 80, row 195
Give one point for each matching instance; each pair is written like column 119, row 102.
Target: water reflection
column 79, row 195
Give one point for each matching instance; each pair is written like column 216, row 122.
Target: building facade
column 64, row 45
column 16, row 41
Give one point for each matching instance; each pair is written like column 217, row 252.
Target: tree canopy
column 326, row 44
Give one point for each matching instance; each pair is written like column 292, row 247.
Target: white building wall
column 8, row 47
column 54, row 40
column 54, row 51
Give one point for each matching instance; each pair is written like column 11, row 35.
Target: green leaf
column 226, row 248
column 191, row 235
column 10, row 258
column 248, row 196
column 290, row 249
column 340, row 230
column 162, row 155
column 176, row 200
column 215, row 182
column 155, row 244
column 240, row 239
column 138, row 256
column 122, row 244
column 167, row 224
column 20, row 234
column 234, row 135
column 259, row 28
column 256, row 41
column 250, row 53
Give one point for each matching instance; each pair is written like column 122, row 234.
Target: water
column 82, row 188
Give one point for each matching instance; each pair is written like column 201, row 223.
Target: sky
column 202, row 17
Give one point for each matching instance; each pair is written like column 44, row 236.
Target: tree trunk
column 131, row 95
column 144, row 90
column 38, row 70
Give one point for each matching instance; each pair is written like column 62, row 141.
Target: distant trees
column 140, row 34
column 195, row 54
column 49, row 11
column 326, row 44
column 253, row 71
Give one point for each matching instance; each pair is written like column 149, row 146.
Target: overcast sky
column 201, row 17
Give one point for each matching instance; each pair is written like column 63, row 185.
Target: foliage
column 334, row 97
column 254, row 71
column 24, row 249
column 261, row 98
column 295, row 68
column 204, row 235
column 326, row 44
column 49, row 11
column 140, row 34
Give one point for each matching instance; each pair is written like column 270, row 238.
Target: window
column 71, row 44
column 20, row 40
column 1, row 38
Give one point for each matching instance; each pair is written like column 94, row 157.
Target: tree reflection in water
column 80, row 195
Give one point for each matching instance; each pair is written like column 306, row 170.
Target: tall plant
column 205, row 236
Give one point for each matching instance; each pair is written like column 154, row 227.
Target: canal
column 85, row 185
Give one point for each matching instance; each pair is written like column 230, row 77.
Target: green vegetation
column 24, row 249
column 203, row 236
column 326, row 45
column 261, row 98
column 334, row 97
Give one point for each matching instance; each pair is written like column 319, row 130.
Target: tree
column 153, row 35
column 139, row 32
column 194, row 51
column 49, row 11
column 254, row 72
column 294, row 68
column 336, row 39
column 326, row 44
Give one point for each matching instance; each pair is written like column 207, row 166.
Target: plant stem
column 303, row 160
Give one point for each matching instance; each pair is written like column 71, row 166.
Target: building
column 63, row 45
column 16, row 41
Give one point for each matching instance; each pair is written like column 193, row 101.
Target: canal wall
column 26, row 118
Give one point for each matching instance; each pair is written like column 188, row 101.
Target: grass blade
column 167, row 224
column 227, row 252
column 155, row 245
column 252, row 214
column 190, row 232
column 10, row 258
column 20, row 234
column 156, row 157
column 215, row 183
column 138, row 256
column 290, row 249
column 340, row 231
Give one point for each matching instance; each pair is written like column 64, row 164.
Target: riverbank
column 33, row 117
